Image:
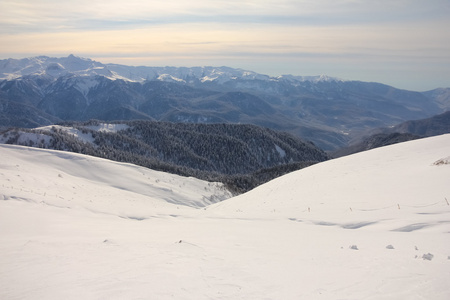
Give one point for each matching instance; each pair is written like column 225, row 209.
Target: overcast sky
column 404, row 43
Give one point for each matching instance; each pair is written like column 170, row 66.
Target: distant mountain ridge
column 56, row 67
column 328, row 111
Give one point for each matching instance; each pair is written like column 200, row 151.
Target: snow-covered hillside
column 64, row 179
column 374, row 225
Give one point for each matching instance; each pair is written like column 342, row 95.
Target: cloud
column 261, row 39
column 47, row 15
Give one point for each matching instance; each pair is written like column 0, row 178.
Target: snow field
column 73, row 227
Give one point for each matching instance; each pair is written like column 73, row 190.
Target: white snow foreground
column 374, row 225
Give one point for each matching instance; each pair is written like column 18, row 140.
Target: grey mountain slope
column 409, row 130
column 15, row 114
column 440, row 96
column 436, row 125
column 375, row 141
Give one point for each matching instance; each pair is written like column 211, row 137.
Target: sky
column 404, row 43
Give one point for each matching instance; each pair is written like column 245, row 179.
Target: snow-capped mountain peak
column 53, row 67
column 170, row 78
column 315, row 79
column 74, row 65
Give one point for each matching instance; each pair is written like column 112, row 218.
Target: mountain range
column 328, row 111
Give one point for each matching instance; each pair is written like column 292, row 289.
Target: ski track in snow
column 374, row 225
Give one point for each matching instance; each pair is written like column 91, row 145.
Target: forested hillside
column 243, row 156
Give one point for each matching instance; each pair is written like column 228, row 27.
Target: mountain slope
column 436, row 125
column 406, row 131
column 14, row 114
column 377, row 228
column 375, row 141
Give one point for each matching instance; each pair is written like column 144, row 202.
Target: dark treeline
column 241, row 156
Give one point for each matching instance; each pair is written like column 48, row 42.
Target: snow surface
column 105, row 127
column 374, row 225
column 83, row 137
column 38, row 136
column 170, row 78
column 280, row 151
column 25, row 138
column 85, row 84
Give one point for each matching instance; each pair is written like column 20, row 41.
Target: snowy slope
column 374, row 225
column 37, row 136
column 71, row 180
column 406, row 179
